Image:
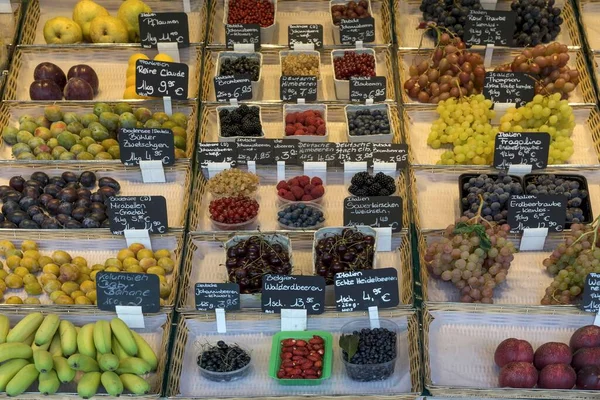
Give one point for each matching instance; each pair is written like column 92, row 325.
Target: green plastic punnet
column 275, row 360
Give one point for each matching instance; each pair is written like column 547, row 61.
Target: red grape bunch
column 571, row 262
column 474, row 255
column 547, row 64
column 449, row 71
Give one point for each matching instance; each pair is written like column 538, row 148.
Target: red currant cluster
column 354, row 64
column 259, row 12
column 233, row 210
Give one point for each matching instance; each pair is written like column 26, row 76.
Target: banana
column 108, row 362
column 88, row 384
column 29, row 340
column 64, row 371
column 133, row 365
column 9, row 351
column 118, row 350
column 102, row 336
column 35, row 347
column 112, row 384
column 22, row 380
column 68, row 338
column 4, row 328
column 25, row 328
column 81, row 362
column 10, row 369
column 135, row 384
column 42, row 360
column 47, row 329
column 124, row 336
column 85, row 341
column 145, row 352
column 55, row 348
column 48, row 383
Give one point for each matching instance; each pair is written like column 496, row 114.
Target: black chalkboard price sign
column 217, row 152
column 376, row 212
column 168, row 27
column 285, row 150
column 490, row 27
column 368, row 87
column 359, row 290
column 146, row 144
column 357, row 30
column 292, row 88
column 537, row 211
column 255, row 149
column 128, row 289
column 242, row 34
column 318, row 152
column 305, row 34
column 229, row 87
column 210, row 296
column 161, row 79
column 137, row 212
column 293, row 292
column 591, row 293
column 509, row 87
column 354, row 152
column 391, row 152
column 529, row 148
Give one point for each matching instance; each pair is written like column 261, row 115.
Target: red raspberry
column 307, row 197
column 281, row 192
column 298, row 125
column 311, row 130
column 297, row 192
column 289, row 130
column 322, row 130
column 289, row 196
column 299, row 132
column 303, row 180
column 290, row 118
column 293, row 182
column 300, row 118
column 317, row 191
column 316, row 181
column 308, row 188
column 310, row 121
column 283, row 185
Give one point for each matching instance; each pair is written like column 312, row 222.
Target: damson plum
column 78, row 89
column 39, row 218
column 98, row 206
column 65, row 208
column 47, row 70
column 110, row 182
column 17, row 183
column 79, row 213
column 7, row 225
column 97, row 198
column 28, row 224
column 17, row 216
column 58, row 181
column 52, row 189
column 107, row 192
column 86, row 73
column 5, row 189
column 35, row 210
column 45, row 198
column 63, row 218
column 72, row 224
column 588, row 378
column 83, row 202
column 14, row 196
column 33, row 183
column 67, row 194
column 50, row 223
column 99, row 216
column 69, row 176
column 31, row 191
column 9, row 207
column 52, row 206
column 45, row 89
column 41, row 177
column 27, row 202
column 87, row 179
column 90, row 223
column 84, row 193
column 73, row 185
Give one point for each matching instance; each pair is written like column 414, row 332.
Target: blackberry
column 360, row 192
column 251, row 127
column 244, row 109
column 385, row 192
column 362, row 184
column 241, row 121
column 359, row 179
column 374, row 189
column 241, row 66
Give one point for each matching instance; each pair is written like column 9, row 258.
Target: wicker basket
column 40, row 11
column 291, row 12
column 157, row 333
column 584, row 93
column 408, row 16
column 254, row 330
column 271, row 72
column 10, row 112
column 336, row 190
column 459, row 343
column 110, row 63
column 204, row 261
column 96, row 248
column 586, row 136
column 588, row 13
column 9, row 32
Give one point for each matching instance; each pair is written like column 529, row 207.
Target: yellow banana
column 29, row 340
column 123, row 334
column 48, row 383
column 35, row 347
column 25, row 328
column 55, row 348
column 43, row 361
column 4, row 328
column 88, row 384
column 102, row 336
column 22, row 380
column 68, row 338
column 135, row 384
column 112, row 383
column 10, row 369
column 118, row 350
column 81, row 362
column 145, row 352
column 108, row 362
column 8, row 351
column 85, row 341
column 133, row 365
column 64, row 371
column 47, row 329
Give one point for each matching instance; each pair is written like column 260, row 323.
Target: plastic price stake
column 251, row 166
column 221, row 322
column 293, row 319
column 137, row 236
column 152, row 171
column 353, row 167
column 374, row 317
column 5, row 7
column 243, row 47
column 384, row 239
column 170, row 49
column 131, row 315
column 533, row 239
column 168, row 105
column 215, row 168
column 316, row 169
column 489, row 53
column 500, row 109
column 385, row 167
column 519, row 169
column 280, row 171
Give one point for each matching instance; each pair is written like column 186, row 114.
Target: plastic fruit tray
column 110, row 65
column 205, row 262
column 255, row 332
column 96, row 246
column 311, row 12
column 460, row 341
column 40, row 11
